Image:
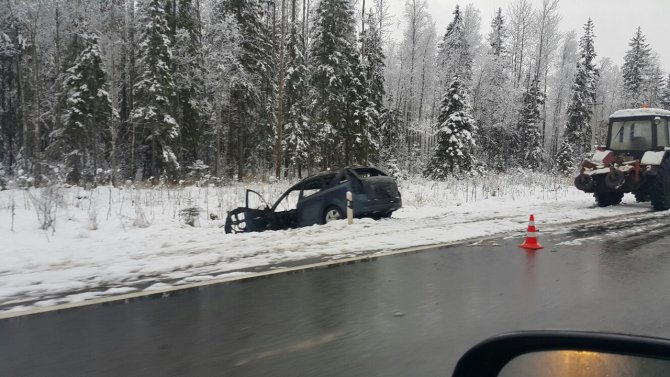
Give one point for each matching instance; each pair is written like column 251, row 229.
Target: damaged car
column 319, row 199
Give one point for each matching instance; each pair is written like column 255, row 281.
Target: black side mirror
column 566, row 353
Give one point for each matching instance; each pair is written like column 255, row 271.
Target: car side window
column 309, row 192
column 310, row 188
column 290, row 201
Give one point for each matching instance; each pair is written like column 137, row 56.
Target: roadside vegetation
column 206, row 204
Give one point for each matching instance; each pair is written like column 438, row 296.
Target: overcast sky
column 615, row 21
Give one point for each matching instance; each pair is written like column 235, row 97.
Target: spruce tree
column 455, row 135
column 498, row 34
column 493, row 113
column 188, row 77
column 370, row 93
column 664, row 98
column 635, row 70
column 87, row 114
column 373, row 63
column 10, row 55
column 300, row 138
column 577, row 134
column 530, row 150
column 390, row 134
column 334, row 79
column 252, row 95
column 454, row 57
column 155, row 94
column 654, row 86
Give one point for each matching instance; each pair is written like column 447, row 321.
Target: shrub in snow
column 140, row 218
column 23, row 179
column 3, row 179
column 93, row 218
column 566, row 159
column 190, row 216
column 46, row 204
column 197, row 173
column 393, row 170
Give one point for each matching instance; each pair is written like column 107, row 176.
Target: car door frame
column 310, row 207
column 257, row 220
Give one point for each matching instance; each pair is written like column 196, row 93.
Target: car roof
column 314, row 180
column 366, row 169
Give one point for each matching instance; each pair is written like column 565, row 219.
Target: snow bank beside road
column 112, row 240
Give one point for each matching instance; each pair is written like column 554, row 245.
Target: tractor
column 636, row 159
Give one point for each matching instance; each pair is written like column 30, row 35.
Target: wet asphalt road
column 402, row 315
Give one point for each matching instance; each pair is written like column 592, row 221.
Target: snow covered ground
column 110, row 241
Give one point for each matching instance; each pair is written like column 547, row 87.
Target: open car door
column 258, row 215
column 255, row 216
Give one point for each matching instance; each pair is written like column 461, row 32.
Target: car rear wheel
column 605, row 199
column 382, row 215
column 331, row 214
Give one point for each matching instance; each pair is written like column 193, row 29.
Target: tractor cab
column 636, row 131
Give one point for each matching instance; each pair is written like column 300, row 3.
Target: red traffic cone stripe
column 531, row 236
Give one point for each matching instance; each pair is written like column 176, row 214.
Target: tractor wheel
column 660, row 188
column 605, row 199
column 641, row 195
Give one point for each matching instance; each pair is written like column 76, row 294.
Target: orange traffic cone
column 531, row 237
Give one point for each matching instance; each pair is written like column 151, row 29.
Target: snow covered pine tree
column 635, row 70
column 530, row 151
column 454, row 57
column 664, row 98
column 88, row 112
column 188, row 75
column 155, row 94
column 338, row 99
column 455, row 142
column 577, row 135
column 299, row 138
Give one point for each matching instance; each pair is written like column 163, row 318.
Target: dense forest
column 107, row 91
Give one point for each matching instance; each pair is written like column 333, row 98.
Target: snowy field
column 67, row 245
